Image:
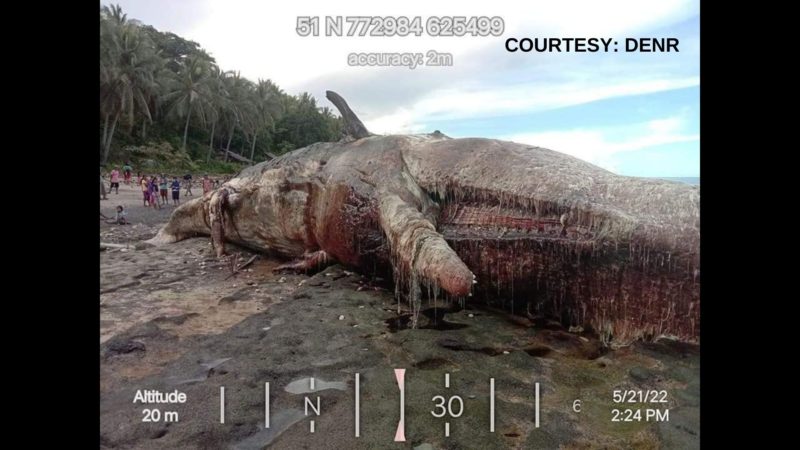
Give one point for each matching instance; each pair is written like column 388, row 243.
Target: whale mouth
column 551, row 266
column 465, row 222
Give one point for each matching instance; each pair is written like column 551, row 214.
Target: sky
column 629, row 112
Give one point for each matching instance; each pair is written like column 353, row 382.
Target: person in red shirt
column 115, row 181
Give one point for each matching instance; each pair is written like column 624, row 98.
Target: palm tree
column 158, row 89
column 215, row 102
column 110, row 20
column 139, row 83
column 129, row 62
column 188, row 91
column 238, row 109
column 268, row 105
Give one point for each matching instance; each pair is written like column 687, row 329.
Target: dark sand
column 171, row 320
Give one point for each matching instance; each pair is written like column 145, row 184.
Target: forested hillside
column 165, row 101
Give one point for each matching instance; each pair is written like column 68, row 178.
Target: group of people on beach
column 155, row 188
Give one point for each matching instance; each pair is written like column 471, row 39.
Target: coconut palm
column 156, row 78
column 215, row 102
column 129, row 61
column 268, row 106
column 188, row 91
column 239, row 109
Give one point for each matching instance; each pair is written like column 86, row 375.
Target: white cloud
column 259, row 39
column 600, row 145
column 401, row 121
column 459, row 103
column 665, row 126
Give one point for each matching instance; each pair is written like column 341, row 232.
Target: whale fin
column 420, row 252
column 353, row 128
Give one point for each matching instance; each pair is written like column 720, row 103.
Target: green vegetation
column 165, row 103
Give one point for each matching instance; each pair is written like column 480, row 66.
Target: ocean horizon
column 687, row 180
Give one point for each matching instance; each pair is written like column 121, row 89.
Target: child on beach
column 154, row 193
column 127, row 170
column 114, row 181
column 119, row 218
column 176, row 191
column 145, row 190
column 162, row 186
column 187, row 181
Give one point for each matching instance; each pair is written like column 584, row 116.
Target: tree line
column 156, row 85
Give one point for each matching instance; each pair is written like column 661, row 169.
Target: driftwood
column 238, row 157
column 107, row 245
column 352, row 124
